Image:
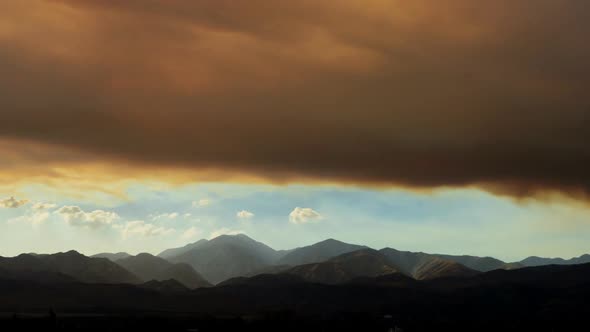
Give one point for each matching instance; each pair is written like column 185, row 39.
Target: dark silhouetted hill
column 539, row 261
column 165, row 286
column 266, row 280
column 346, row 267
column 552, row 298
column 112, row 256
column 423, row 266
column 72, row 264
column 483, row 264
column 149, row 267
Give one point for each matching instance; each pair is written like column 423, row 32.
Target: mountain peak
column 239, row 236
column 532, row 257
column 26, row 256
column 346, row 267
column 318, row 252
column 240, row 240
column 331, row 241
column 225, row 257
column 336, row 243
column 71, row 253
column 242, row 235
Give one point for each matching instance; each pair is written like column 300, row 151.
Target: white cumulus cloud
column 304, row 216
column 12, row 203
column 245, row 214
column 43, row 206
column 75, row 216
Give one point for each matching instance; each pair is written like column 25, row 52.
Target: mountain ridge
column 206, row 262
column 152, row 268
column 318, row 252
column 112, row 256
column 540, row 261
column 73, row 264
column 227, row 256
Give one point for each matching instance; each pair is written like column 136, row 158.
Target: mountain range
column 543, row 298
column 230, row 257
column 112, row 256
column 225, row 257
column 349, row 286
column 539, row 261
column 152, row 268
column 66, row 266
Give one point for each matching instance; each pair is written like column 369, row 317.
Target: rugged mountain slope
column 539, row 261
column 369, row 263
column 239, row 256
column 440, row 268
column 173, row 252
column 72, row 264
column 149, row 267
column 417, row 265
column 346, row 267
column 112, row 256
column 228, row 256
column 423, row 266
column 482, row 264
column 319, row 252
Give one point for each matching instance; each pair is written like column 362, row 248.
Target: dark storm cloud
column 413, row 93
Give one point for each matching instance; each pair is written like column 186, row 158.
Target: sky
column 450, row 126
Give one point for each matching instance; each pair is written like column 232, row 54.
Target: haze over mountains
column 423, row 266
column 112, row 256
column 152, row 268
column 539, row 261
column 359, row 290
column 346, row 267
column 318, row 252
column 70, row 265
column 236, row 275
column 209, row 262
column 229, row 257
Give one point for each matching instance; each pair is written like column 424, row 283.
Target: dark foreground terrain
column 546, row 298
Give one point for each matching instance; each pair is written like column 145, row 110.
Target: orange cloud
column 417, row 93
